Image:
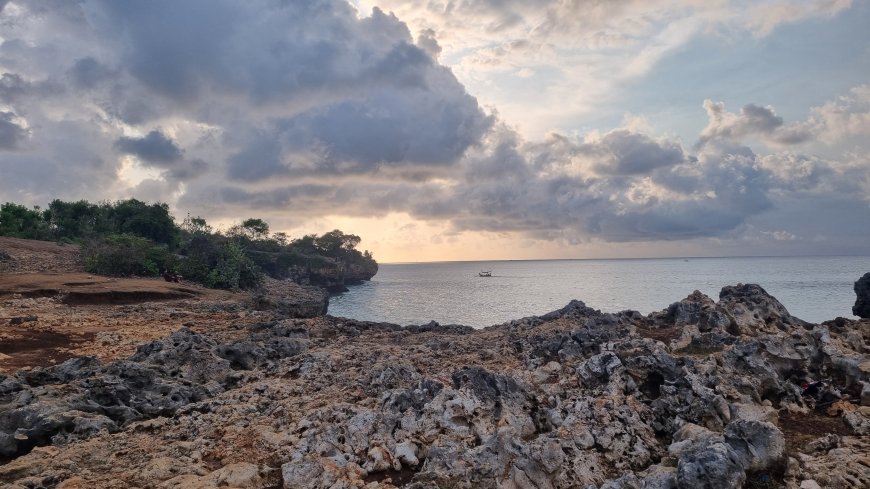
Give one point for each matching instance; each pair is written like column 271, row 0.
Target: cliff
column 334, row 274
column 862, row 301
column 726, row 394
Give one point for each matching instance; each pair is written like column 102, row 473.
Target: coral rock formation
column 724, row 394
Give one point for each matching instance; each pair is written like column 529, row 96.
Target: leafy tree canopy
column 134, row 237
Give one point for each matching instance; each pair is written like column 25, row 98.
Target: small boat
column 486, row 273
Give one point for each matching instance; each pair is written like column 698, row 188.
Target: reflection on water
column 812, row 288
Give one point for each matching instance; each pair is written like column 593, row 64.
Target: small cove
column 811, row 288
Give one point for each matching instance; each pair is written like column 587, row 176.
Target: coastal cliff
column 862, row 302
column 729, row 393
column 334, row 274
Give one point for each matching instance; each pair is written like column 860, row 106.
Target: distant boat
column 485, row 274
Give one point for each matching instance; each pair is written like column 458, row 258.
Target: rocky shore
column 704, row 394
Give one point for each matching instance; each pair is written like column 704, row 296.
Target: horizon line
column 629, row 258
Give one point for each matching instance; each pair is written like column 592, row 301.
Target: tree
column 195, row 225
column 336, row 243
column 306, row 244
column 148, row 221
column 281, row 238
column 255, row 228
column 20, row 222
column 124, row 254
column 73, row 220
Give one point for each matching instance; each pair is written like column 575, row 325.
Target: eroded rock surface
column 710, row 394
column 862, row 302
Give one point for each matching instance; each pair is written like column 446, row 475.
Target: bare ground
column 51, row 311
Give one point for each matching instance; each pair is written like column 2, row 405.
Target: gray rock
column 79, row 398
column 717, row 466
column 759, row 444
column 862, row 301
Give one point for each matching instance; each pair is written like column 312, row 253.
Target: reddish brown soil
column 665, row 335
column 29, row 256
column 40, row 348
column 83, row 288
column 69, row 313
column 800, row 429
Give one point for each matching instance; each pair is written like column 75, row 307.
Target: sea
column 814, row 288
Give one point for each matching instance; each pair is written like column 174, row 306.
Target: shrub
column 234, row 270
column 219, row 263
column 125, row 254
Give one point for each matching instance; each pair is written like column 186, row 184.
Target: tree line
column 131, row 237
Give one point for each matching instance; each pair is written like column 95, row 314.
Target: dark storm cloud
column 260, row 159
column 11, row 134
column 14, row 88
column 187, row 169
column 267, row 51
column 88, row 73
column 724, row 191
column 536, row 190
column 632, row 153
column 369, row 96
column 67, row 163
column 155, row 148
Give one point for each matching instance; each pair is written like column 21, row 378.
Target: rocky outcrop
column 289, row 299
column 862, row 302
column 79, row 397
column 360, row 271
column 334, row 274
column 725, row 394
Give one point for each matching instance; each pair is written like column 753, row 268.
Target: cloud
column 752, row 121
column 623, row 152
column 645, row 190
column 595, row 46
column 11, row 133
column 88, row 73
column 69, row 162
column 252, row 91
column 155, row 148
column 311, row 109
column 847, row 116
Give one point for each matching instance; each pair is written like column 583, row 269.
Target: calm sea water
column 811, row 288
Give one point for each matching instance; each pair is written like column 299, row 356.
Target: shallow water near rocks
column 811, row 288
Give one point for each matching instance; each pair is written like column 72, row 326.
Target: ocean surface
column 812, row 288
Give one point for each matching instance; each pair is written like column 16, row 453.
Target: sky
column 455, row 129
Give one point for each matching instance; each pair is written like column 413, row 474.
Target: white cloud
column 583, row 51
column 846, row 116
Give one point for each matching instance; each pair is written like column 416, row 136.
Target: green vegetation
column 124, row 254
column 131, row 237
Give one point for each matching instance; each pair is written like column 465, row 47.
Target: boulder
column 716, row 466
column 759, row 444
column 862, row 302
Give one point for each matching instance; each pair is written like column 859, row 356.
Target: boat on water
column 486, row 273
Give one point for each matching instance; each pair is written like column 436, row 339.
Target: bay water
column 812, row 288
